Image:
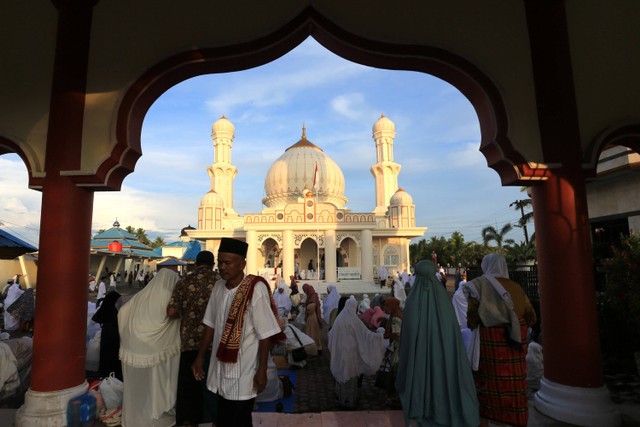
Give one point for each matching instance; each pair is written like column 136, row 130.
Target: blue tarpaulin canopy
column 11, row 246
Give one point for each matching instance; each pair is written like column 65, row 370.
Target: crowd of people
column 197, row 349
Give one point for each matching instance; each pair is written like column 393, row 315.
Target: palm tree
column 520, row 205
column 489, row 233
column 158, row 242
column 521, row 253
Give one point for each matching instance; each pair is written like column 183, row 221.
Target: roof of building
column 192, row 252
column 10, row 241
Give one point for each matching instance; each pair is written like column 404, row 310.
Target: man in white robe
column 240, row 325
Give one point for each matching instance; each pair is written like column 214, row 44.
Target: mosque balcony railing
column 349, row 273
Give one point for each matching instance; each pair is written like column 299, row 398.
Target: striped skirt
column 501, row 379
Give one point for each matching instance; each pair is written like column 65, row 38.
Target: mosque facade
column 305, row 223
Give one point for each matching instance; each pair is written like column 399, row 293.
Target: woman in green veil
column 434, row 379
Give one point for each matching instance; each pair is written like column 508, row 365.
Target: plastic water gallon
column 81, row 411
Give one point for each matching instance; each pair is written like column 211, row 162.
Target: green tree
column 140, row 234
column 521, row 253
column 158, row 242
column 452, row 251
column 619, row 307
column 489, row 234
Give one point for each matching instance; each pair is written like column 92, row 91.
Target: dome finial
column 116, row 224
column 304, row 131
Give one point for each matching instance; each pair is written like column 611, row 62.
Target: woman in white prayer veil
column 365, row 304
column 282, row 300
column 355, row 350
column 330, row 303
column 150, row 354
column 399, row 292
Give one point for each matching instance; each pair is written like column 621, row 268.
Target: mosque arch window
column 391, row 256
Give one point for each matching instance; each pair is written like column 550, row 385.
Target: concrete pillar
column 330, row 271
column 572, row 389
column 288, row 254
column 366, row 255
column 252, row 252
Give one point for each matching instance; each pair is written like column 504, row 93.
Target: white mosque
column 305, row 223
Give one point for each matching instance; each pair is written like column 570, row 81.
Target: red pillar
column 59, row 343
column 572, row 388
column 567, row 288
column 65, row 223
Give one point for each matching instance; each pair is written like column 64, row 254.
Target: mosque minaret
column 307, row 229
column 385, row 171
column 222, row 173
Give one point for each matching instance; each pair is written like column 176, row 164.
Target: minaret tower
column 385, row 171
column 222, row 172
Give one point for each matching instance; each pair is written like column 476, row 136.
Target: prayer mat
column 286, row 403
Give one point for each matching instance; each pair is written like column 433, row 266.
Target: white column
column 366, row 255
column 330, row 256
column 287, row 254
column 252, row 253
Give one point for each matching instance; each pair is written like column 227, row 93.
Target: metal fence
column 525, row 275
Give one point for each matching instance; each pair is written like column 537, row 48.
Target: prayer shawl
column 147, row 336
column 232, row 334
column 434, row 381
column 354, row 349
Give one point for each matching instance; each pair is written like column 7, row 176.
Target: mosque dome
column 401, row 197
column 294, row 171
column 212, row 199
column 383, row 124
column 183, row 232
column 223, row 125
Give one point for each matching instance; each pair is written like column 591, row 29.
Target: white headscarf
column 354, row 349
column 282, row 300
column 364, row 304
column 147, row 336
column 330, row 303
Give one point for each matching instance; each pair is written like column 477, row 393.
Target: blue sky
column 437, row 141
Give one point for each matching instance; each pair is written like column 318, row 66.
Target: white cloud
column 161, row 214
column 350, row 105
column 280, row 87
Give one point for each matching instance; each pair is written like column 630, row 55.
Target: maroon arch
column 627, row 135
column 8, row 146
column 466, row 77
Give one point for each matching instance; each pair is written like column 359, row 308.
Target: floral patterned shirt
column 190, row 298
